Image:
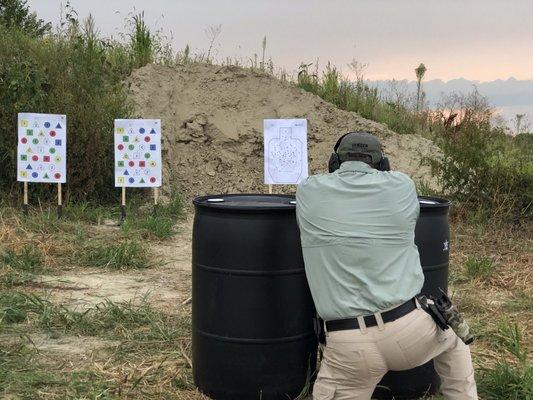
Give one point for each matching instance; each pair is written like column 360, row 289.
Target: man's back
column 357, row 229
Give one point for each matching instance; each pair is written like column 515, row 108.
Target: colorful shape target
column 42, row 138
column 133, row 147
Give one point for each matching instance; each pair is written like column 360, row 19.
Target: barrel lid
column 247, row 202
column 433, row 202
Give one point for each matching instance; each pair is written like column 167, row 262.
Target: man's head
column 358, row 146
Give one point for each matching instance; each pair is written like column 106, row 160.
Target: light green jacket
column 357, row 229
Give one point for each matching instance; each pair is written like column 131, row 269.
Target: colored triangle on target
column 41, row 133
column 58, row 126
column 152, row 131
column 46, row 176
column 126, row 172
column 29, row 166
column 142, row 180
column 29, row 151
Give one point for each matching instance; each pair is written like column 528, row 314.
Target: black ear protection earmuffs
column 335, row 161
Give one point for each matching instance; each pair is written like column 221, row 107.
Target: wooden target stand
column 123, row 203
column 25, row 201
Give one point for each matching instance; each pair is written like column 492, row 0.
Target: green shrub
column 16, row 14
column 73, row 72
column 68, row 75
column 481, row 167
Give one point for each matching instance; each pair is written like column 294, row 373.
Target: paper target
column 137, row 152
column 42, row 148
column 285, row 143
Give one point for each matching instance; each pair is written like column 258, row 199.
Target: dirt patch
column 166, row 286
column 212, row 120
column 62, row 345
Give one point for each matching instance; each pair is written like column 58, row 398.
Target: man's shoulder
column 398, row 176
column 312, row 184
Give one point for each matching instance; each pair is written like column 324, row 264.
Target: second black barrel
column 432, row 237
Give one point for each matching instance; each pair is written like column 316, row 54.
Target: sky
column 479, row 40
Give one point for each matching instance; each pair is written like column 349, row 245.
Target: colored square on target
column 23, row 157
column 121, row 164
column 142, row 164
column 58, row 142
column 46, row 158
column 153, row 147
column 125, row 138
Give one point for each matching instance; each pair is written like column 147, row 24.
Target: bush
column 64, row 75
column 358, row 97
column 482, row 167
column 73, row 72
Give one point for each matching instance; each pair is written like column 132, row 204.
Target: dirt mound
column 212, row 119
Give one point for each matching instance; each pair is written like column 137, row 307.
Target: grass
column 120, row 318
column 479, row 267
column 146, row 362
column 508, row 379
column 156, row 223
column 126, row 254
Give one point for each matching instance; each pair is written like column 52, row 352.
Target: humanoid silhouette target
column 285, row 144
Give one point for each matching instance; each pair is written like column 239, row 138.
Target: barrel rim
column 440, row 202
column 201, row 201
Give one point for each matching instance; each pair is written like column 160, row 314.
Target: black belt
column 370, row 320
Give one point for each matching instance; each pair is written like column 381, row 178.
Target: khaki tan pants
column 354, row 361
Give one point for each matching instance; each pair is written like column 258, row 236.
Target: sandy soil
column 212, row 120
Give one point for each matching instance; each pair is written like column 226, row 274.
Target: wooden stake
column 269, row 189
column 25, row 200
column 156, row 196
column 156, row 199
column 59, row 201
column 123, row 205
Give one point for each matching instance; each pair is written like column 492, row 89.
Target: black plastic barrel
column 251, row 309
column 432, row 237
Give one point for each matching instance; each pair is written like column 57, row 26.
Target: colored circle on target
column 131, row 180
column 47, row 124
column 131, row 163
column 34, row 175
column 152, row 179
column 52, row 150
column 146, row 155
column 24, row 140
column 141, row 130
column 35, row 158
column 35, row 141
column 131, row 146
column 147, row 139
column 121, row 147
column 57, row 175
column 53, row 133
